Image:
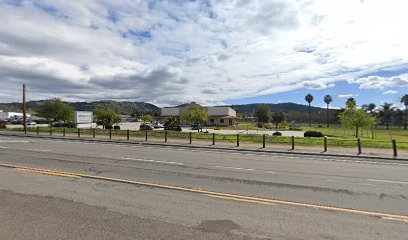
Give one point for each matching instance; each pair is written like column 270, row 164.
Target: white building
column 11, row 115
column 217, row 116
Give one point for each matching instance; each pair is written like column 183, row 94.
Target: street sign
column 83, row 117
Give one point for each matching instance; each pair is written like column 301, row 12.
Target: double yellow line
column 220, row 195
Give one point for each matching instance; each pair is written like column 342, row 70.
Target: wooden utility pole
column 24, row 108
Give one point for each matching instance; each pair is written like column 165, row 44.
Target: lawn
column 337, row 137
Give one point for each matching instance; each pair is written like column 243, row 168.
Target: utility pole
column 24, row 108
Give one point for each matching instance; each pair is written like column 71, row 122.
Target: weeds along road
column 60, row 189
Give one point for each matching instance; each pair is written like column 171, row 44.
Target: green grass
column 345, row 141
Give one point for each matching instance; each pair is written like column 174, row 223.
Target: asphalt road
column 60, row 189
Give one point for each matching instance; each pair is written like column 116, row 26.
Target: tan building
column 217, row 116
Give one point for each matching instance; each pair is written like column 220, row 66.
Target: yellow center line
column 236, row 197
column 239, row 199
column 48, row 173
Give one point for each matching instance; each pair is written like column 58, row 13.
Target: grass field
column 338, row 137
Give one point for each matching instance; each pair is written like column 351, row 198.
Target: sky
column 212, row 52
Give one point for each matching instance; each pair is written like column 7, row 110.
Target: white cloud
column 390, row 92
column 376, row 82
column 169, row 52
column 347, row 95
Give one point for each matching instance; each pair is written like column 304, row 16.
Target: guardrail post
column 394, row 148
column 38, row 130
column 263, row 141
column 146, row 135
column 359, row 145
column 79, row 132
column 325, row 144
column 25, row 129
column 165, row 136
column 93, row 132
column 190, row 136
column 238, row 140
column 63, row 132
column 293, row 142
column 213, row 138
column 128, row 134
column 110, row 133
column 51, row 130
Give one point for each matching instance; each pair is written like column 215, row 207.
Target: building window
column 211, row 120
column 221, row 120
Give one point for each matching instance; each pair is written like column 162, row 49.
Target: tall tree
column 106, row 117
column 196, row 114
column 328, row 99
column 56, row 110
column 278, row 117
column 404, row 100
column 309, row 100
column 263, row 113
column 355, row 118
column 386, row 113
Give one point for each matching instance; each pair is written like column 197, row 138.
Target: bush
column 116, row 127
column 3, row 124
column 277, row 134
column 260, row 124
column 178, row 128
column 217, row 128
column 313, row 134
column 145, row 127
column 295, row 129
column 108, row 127
column 319, row 126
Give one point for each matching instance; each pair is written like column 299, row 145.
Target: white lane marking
column 386, row 181
column 352, row 183
column 38, row 150
column 14, row 141
column 235, row 168
column 3, row 147
column 151, row 160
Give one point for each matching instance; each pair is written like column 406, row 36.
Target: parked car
column 196, row 127
column 158, row 125
column 31, row 123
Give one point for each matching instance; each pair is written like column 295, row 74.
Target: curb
column 208, row 147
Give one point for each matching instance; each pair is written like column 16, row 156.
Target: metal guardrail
column 211, row 137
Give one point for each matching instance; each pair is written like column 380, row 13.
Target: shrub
column 178, row 128
column 145, row 127
column 217, row 128
column 108, row 127
column 3, row 124
column 277, row 134
column 260, row 124
column 295, row 129
column 313, row 134
column 319, row 126
column 116, row 127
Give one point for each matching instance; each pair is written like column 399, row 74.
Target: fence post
column 359, row 145
column 394, row 148
column 110, row 133
column 79, row 132
column 293, row 142
column 146, row 135
column 25, row 129
column 238, row 140
column 63, row 132
column 213, row 138
column 93, row 132
column 165, row 136
column 190, row 136
column 325, row 144
column 263, row 141
column 128, row 134
column 38, row 130
column 51, row 130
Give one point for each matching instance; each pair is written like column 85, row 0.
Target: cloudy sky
column 212, row 52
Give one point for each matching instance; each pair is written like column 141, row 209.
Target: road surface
column 61, row 189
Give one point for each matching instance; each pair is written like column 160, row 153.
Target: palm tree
column 328, row 99
column 404, row 100
column 309, row 99
column 386, row 113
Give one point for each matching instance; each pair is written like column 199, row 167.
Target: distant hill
column 125, row 108
column 283, row 107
